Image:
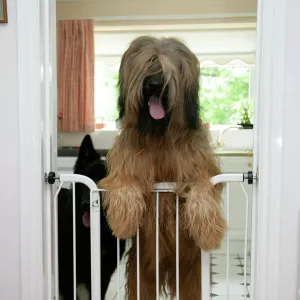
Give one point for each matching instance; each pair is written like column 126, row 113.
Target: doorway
column 226, row 52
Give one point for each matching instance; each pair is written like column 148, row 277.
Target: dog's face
column 95, row 171
column 154, row 115
column 159, row 83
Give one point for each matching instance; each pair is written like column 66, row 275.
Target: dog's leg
column 189, row 271
column 203, row 216
column 190, row 284
column 147, row 287
column 125, row 205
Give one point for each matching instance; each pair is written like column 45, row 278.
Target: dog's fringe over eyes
column 178, row 66
column 162, row 139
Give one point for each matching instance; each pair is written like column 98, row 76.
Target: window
column 106, row 92
column 224, row 94
column 227, row 62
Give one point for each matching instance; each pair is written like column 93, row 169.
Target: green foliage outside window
column 224, row 94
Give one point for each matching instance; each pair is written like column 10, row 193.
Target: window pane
column 224, row 93
column 106, row 92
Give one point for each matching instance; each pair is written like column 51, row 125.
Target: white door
column 36, row 30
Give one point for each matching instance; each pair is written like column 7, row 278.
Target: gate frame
column 95, row 203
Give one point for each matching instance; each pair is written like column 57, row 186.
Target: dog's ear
column 121, row 106
column 121, row 98
column 87, row 154
column 192, row 107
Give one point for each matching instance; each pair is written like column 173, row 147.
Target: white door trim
column 271, row 26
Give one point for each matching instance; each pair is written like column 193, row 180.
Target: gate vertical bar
column 227, row 237
column 157, row 245
column 56, row 264
column 205, row 275
column 138, row 263
column 177, row 247
column 95, row 203
column 246, row 241
column 74, row 240
column 118, row 266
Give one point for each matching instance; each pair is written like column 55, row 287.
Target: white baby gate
column 96, row 236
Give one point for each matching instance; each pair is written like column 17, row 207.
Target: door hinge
column 51, row 177
column 250, row 177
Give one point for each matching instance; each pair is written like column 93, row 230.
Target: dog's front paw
column 125, row 207
column 212, row 235
column 204, row 221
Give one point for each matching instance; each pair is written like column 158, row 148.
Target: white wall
column 74, row 9
column 9, row 160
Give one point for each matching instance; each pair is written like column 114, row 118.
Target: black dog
column 89, row 164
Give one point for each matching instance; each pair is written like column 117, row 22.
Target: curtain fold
column 76, row 58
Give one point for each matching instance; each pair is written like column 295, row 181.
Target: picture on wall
column 3, row 11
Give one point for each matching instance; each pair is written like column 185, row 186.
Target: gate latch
column 250, row 177
column 51, row 177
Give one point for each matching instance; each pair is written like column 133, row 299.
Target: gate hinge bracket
column 249, row 176
column 51, row 177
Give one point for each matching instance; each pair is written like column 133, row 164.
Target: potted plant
column 245, row 114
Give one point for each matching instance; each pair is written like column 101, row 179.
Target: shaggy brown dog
column 162, row 139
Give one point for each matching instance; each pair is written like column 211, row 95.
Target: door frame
column 36, row 30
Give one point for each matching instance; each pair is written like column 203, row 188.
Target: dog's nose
column 154, row 85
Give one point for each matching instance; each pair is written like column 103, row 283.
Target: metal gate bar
column 157, row 246
column 95, row 228
column 56, row 266
column 118, row 265
column 74, row 243
column 246, row 240
column 227, row 236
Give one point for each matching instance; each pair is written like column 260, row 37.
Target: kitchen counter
column 73, row 152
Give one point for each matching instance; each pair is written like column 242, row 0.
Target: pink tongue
column 156, row 110
column 86, row 219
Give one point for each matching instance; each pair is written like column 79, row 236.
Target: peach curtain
column 76, row 76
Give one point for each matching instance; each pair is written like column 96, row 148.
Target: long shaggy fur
column 174, row 149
